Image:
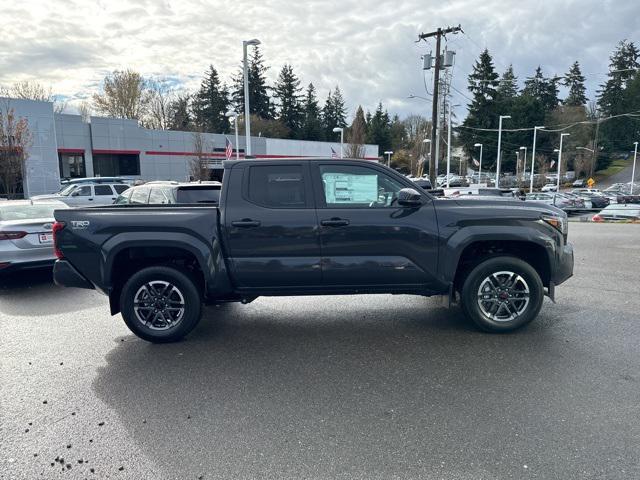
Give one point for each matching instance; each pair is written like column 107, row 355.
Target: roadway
column 363, row 387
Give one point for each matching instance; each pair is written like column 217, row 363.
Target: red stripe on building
column 222, row 155
column 71, row 150
column 117, row 152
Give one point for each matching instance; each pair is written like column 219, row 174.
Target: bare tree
column 161, row 97
column 198, row 167
column 124, row 95
column 30, row 90
column 85, row 111
column 15, row 140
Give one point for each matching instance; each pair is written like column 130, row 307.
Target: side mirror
column 409, row 197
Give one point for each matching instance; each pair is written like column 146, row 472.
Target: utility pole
column 436, row 80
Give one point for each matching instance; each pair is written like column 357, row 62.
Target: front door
column 367, row 239
column 271, row 226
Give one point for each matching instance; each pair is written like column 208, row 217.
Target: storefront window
column 71, row 165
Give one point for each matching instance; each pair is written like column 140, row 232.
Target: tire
column 167, row 298
column 494, row 294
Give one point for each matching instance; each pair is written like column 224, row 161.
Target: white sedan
column 550, row 187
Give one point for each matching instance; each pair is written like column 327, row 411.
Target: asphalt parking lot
column 361, row 387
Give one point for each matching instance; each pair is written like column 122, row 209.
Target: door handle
column 334, row 222
column 245, row 223
column 90, row 199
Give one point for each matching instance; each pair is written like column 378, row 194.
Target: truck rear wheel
column 501, row 294
column 160, row 304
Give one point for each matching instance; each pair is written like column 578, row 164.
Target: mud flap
column 551, row 292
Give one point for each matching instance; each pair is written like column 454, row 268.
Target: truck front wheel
column 501, row 294
column 160, row 304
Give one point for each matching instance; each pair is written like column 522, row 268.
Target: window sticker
column 349, row 188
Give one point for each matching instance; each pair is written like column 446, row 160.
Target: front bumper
column 564, row 266
column 65, row 275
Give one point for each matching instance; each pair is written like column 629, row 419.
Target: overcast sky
column 366, row 47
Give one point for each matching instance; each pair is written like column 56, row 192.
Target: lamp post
column 480, row 162
column 524, row 163
column 562, row 135
column 234, row 115
column 388, row 153
column 245, row 73
column 633, row 169
column 341, row 130
column 428, row 141
column 533, row 155
column 502, row 117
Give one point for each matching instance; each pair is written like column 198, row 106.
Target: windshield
column 65, row 192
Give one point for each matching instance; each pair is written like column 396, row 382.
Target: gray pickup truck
column 314, row 227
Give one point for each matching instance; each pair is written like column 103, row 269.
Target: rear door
column 271, row 229
column 82, row 195
column 367, row 239
column 104, row 195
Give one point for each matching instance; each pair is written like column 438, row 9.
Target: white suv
column 87, row 194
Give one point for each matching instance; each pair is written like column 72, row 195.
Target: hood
column 503, row 204
column 49, row 196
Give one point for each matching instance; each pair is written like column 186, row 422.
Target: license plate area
column 46, row 238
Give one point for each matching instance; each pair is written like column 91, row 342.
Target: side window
column 103, row 190
column 123, row 198
column 157, row 196
column 140, row 196
column 280, row 186
column 346, row 186
column 84, row 191
column 121, row 188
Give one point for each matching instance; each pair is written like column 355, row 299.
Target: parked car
column 555, row 199
column 598, row 201
column 581, row 204
column 26, row 238
column 423, row 183
column 618, row 213
column 580, row 183
column 481, row 191
column 314, row 226
column 86, row 194
column 171, row 193
column 550, row 187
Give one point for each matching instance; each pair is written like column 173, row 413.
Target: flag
column 228, row 148
column 553, row 162
column 333, row 153
column 476, row 162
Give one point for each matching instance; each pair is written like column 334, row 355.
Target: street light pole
column 502, row 117
column 341, row 130
column 533, row 156
column 480, row 162
column 524, row 163
column 428, row 140
column 247, row 110
column 562, row 135
column 633, row 169
column 234, row 115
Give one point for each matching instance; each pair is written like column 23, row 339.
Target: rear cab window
column 276, row 186
column 208, row 194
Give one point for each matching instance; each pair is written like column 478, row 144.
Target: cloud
column 366, row 47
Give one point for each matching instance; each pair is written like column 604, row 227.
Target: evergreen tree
column 508, row 87
column 574, row 80
column 334, row 113
column 356, row 136
column 379, row 129
column 259, row 101
column 287, row 92
column 312, row 122
column 179, row 115
column 484, row 110
column 211, row 103
column 543, row 89
column 613, row 98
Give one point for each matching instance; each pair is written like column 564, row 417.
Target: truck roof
column 231, row 163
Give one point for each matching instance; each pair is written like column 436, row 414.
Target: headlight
column 560, row 223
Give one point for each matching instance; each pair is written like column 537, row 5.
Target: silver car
column 26, row 238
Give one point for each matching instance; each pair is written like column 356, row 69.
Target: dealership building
column 65, row 146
